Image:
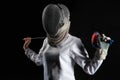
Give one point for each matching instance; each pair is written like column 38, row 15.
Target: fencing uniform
column 60, row 50
column 58, row 61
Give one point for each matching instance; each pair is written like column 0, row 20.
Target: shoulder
column 75, row 39
column 45, row 42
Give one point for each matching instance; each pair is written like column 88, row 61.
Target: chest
column 54, row 55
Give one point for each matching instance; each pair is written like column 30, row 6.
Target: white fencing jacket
column 58, row 62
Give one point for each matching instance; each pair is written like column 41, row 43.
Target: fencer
column 61, row 50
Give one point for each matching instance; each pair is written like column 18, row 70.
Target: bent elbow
column 38, row 62
column 90, row 71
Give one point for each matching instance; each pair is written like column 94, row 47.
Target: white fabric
column 58, row 62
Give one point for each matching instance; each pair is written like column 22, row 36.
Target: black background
column 24, row 19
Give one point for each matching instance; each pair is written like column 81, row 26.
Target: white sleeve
column 37, row 58
column 81, row 57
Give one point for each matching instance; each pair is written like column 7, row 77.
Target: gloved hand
column 102, row 44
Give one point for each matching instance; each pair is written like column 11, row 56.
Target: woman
column 60, row 50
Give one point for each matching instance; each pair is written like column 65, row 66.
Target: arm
column 81, row 57
column 37, row 58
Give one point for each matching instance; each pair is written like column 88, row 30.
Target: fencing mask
column 55, row 20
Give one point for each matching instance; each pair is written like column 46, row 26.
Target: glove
column 101, row 43
column 104, row 46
